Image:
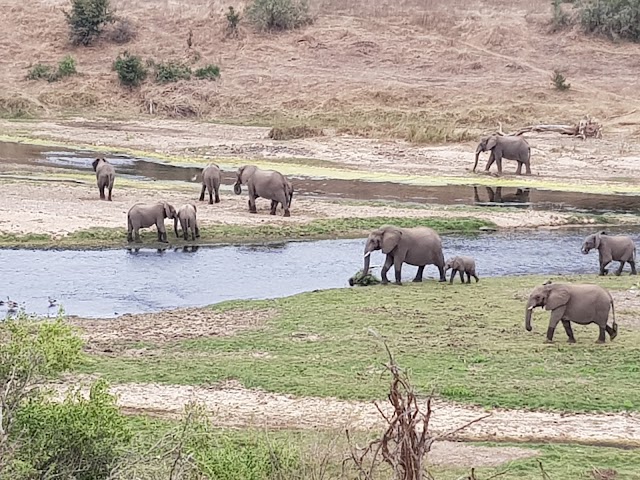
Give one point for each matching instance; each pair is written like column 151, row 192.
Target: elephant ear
column 390, row 239
column 167, row 210
column 492, row 142
column 596, row 240
column 558, row 297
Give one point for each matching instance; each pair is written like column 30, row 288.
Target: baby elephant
column 143, row 216
column 619, row 248
column 579, row 303
column 105, row 175
column 186, row 215
column 462, row 265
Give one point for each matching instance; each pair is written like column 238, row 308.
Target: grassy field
column 467, row 342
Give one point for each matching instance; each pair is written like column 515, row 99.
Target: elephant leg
column 476, row 277
column 419, row 274
column 632, row 264
column 453, row 275
column 461, row 272
column 274, row 207
column 443, row 274
column 397, row 266
column 499, row 163
column 217, row 195
column 612, row 333
column 202, row 191
column 528, row 168
column 102, row 197
column 137, row 235
column 185, row 229
column 490, row 161
column 110, row 190
column 468, row 277
column 385, row 268
column 567, row 328
column 130, row 235
column 197, row 231
column 556, row 316
column 601, row 334
column 252, row 205
column 620, row 267
column 519, row 169
column 603, row 270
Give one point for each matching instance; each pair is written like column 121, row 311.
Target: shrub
column 233, row 20
column 172, row 72
column 559, row 81
column 87, row 20
column 278, row 14
column 130, row 69
column 67, row 67
column 612, row 18
column 123, row 32
column 41, row 71
column 210, row 72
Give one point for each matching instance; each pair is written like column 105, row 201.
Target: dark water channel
column 106, row 283
column 146, row 169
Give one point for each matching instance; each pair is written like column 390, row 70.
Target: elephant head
column 169, row 211
column 486, row 143
column 592, row 242
column 96, row 162
column 242, row 175
column 549, row 296
column 449, row 264
column 385, row 239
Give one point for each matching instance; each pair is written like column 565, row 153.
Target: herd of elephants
column 418, row 246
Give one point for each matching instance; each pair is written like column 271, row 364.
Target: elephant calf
column 105, row 175
column 211, row 182
column 579, row 303
column 617, row 247
column 186, row 215
column 143, row 216
column 462, row 265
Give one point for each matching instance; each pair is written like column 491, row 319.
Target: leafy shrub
column 123, row 32
column 278, row 14
column 363, row 280
column 612, row 18
column 559, row 81
column 67, row 67
column 87, row 19
column 79, row 438
column 210, row 72
column 172, row 72
column 41, row 71
column 233, row 20
column 130, row 69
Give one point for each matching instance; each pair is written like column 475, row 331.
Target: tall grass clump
column 87, row 20
column 209, row 72
column 130, row 69
column 274, row 15
column 66, row 68
column 615, row 19
column 167, row 72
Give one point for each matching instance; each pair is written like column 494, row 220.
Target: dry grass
column 423, row 70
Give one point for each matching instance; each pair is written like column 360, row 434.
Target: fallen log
column 587, row 127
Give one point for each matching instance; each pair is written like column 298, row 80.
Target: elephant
column 462, row 265
column 616, row 247
column 143, row 216
column 105, row 175
column 267, row 184
column 521, row 195
column 186, row 215
column 418, row 246
column 509, row 147
column 211, row 181
column 579, row 303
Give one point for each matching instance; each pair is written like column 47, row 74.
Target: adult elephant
column 579, row 303
column 211, row 182
column 267, row 184
column 418, row 246
column 619, row 248
column 511, row 147
column 105, row 176
column 144, row 216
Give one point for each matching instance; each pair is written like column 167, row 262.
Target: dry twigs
column 587, row 127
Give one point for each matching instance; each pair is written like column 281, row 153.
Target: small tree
column 278, row 14
column 87, row 19
column 559, row 81
column 130, row 69
column 233, row 20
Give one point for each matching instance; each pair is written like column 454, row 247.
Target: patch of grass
column 329, row 228
column 66, row 68
column 296, row 131
column 167, row 72
column 278, row 14
column 209, row 72
column 466, row 341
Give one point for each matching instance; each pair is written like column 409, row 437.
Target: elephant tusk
column 367, row 254
column 531, row 308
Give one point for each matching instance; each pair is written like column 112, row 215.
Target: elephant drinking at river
column 267, row 184
column 509, row 147
column 619, row 248
column 418, row 246
column 143, row 216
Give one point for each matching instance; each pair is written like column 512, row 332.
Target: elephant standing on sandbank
column 510, row 147
column 267, row 184
column 144, row 216
column 105, row 176
column 211, row 182
column 186, row 215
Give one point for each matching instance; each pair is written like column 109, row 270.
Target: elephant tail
column 290, row 197
column 614, row 325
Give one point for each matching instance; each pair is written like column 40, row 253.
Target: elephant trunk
column 237, row 187
column 478, row 150
column 367, row 258
column 527, row 317
column 585, row 249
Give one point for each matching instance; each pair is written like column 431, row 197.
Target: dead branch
column 587, row 127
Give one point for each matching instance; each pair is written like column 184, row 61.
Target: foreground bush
column 87, row 20
column 612, row 18
column 278, row 14
column 130, row 69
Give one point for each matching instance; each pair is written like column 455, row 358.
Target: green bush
column 210, row 72
column 79, row 438
column 559, row 81
column 67, row 67
column 87, row 19
column 41, row 71
column 278, row 14
column 172, row 72
column 612, row 18
column 130, row 69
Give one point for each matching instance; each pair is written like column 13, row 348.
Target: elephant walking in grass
column 418, row 246
column 211, row 182
column 186, row 215
column 268, row 184
column 462, row 265
column 144, row 216
column 579, row 303
column 105, row 175
column 619, row 248
column 509, row 147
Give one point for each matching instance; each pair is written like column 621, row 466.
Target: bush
column 210, row 72
column 79, row 438
column 130, row 69
column 559, row 81
column 233, row 20
column 278, row 14
column 87, row 19
column 612, row 18
column 172, row 72
column 123, row 32
column 41, row 71
column 67, row 67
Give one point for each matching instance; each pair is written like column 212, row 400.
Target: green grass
column 466, row 341
column 329, row 228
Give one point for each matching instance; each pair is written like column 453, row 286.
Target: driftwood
column 587, row 127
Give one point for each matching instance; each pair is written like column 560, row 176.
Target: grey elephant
column 105, row 175
column 579, row 303
column 267, row 184
column 144, row 216
column 186, row 215
column 619, row 248
column 211, row 182
column 418, row 246
column 510, row 147
column 462, row 264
